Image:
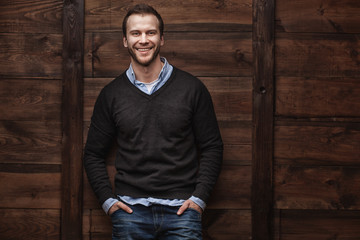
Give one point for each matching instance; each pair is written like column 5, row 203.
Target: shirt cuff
column 108, row 204
column 199, row 202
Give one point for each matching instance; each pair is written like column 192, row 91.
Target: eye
column 151, row 33
column 135, row 34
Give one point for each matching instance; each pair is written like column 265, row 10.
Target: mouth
column 144, row 49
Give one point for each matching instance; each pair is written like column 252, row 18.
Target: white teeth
column 143, row 49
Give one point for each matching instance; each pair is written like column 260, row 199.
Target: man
column 169, row 148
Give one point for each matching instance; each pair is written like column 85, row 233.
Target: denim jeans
column 156, row 222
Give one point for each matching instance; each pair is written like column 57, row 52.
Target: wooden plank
column 30, row 142
column 263, row 91
column 317, row 55
column 217, row 225
column 30, row 224
column 35, row 16
column 317, row 143
column 319, row 224
column 72, row 120
column 227, row 224
column 302, row 187
column 198, row 53
column 30, row 55
column 186, row 15
column 233, row 188
column 34, row 100
column 30, row 190
column 318, row 16
column 317, row 97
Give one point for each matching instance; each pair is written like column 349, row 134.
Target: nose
column 143, row 38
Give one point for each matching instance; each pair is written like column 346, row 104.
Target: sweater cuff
column 108, row 204
column 198, row 202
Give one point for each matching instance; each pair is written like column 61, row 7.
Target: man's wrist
column 198, row 202
column 108, row 204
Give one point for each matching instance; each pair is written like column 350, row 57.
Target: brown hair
column 143, row 9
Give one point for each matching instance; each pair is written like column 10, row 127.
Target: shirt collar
column 165, row 69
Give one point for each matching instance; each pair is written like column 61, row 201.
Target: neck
column 147, row 74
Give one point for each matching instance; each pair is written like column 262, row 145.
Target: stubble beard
column 147, row 63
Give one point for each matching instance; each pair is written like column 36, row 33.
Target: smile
column 143, row 49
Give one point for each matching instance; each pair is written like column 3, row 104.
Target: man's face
column 143, row 38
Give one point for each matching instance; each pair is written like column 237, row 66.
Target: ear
column 162, row 41
column 125, row 42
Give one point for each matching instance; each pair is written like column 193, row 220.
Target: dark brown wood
column 33, row 16
column 31, row 224
column 317, row 55
column 301, row 187
column 30, row 142
column 263, row 113
column 30, row 100
column 319, row 224
column 72, row 120
column 187, row 15
column 317, row 143
column 30, row 55
column 318, row 16
column 30, row 190
column 325, row 97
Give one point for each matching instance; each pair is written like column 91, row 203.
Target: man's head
column 143, row 35
column 142, row 9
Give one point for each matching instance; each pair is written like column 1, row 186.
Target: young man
column 169, row 148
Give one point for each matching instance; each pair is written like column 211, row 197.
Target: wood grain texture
column 72, row 119
column 317, row 97
column 30, row 55
column 317, row 55
column 30, row 190
column 186, row 15
column 319, row 224
column 233, row 188
column 302, row 187
column 30, row 142
column 318, row 16
column 263, row 118
column 30, row 100
column 31, row 224
column 33, row 16
column 199, row 54
column 317, row 144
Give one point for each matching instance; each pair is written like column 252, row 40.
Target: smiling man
column 169, row 148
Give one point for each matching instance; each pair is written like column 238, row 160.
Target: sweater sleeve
column 210, row 145
column 99, row 140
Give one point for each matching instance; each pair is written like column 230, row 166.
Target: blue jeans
column 156, row 222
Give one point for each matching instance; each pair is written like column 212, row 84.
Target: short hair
column 143, row 9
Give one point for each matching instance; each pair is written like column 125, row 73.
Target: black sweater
column 168, row 143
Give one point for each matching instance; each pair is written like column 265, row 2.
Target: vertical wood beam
column 72, row 120
column 263, row 119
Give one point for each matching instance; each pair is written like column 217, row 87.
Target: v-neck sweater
column 168, row 143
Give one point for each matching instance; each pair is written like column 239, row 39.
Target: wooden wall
column 30, row 119
column 314, row 173
column 213, row 41
column 317, row 123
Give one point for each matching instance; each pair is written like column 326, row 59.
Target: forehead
column 142, row 22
